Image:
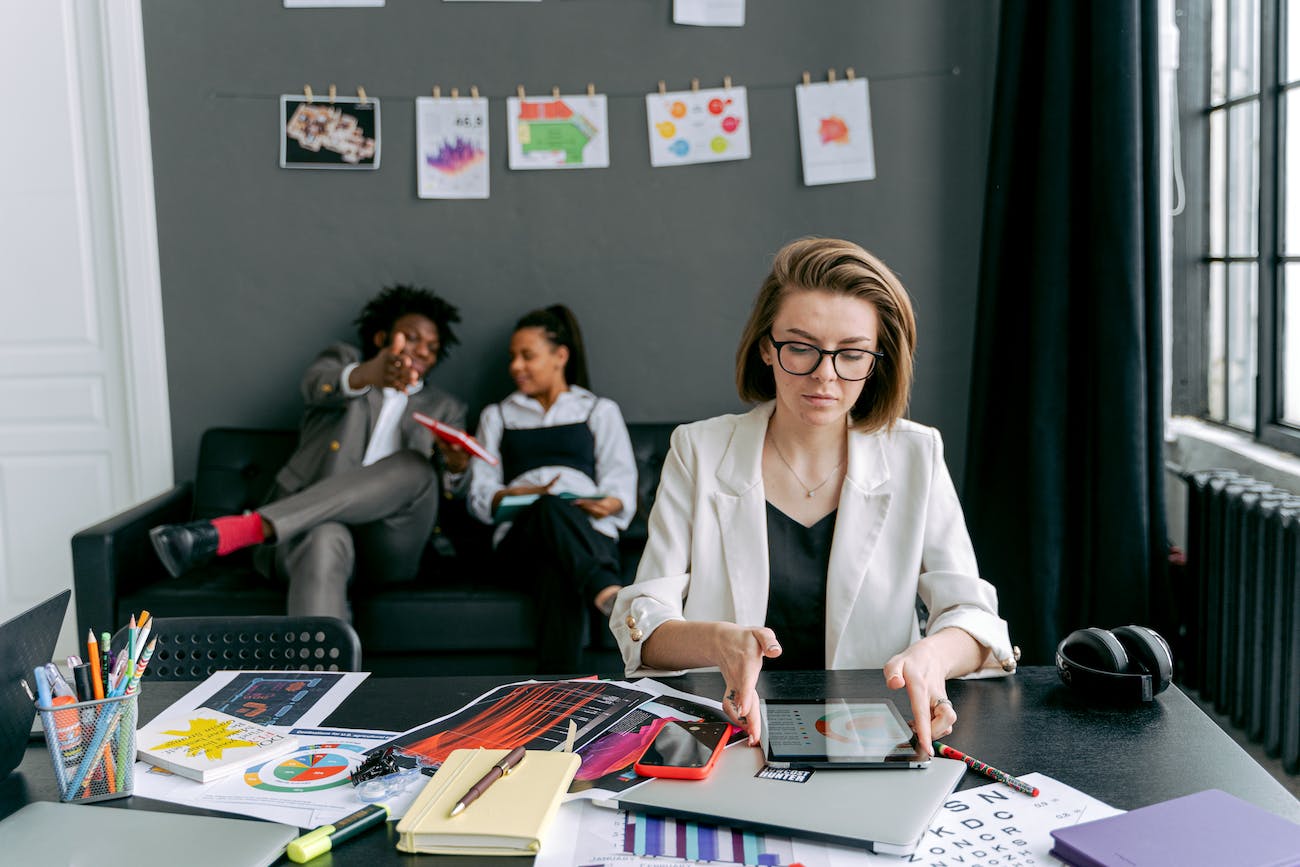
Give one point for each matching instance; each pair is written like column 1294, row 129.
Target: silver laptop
column 884, row 811
column 26, row 641
column 46, row 833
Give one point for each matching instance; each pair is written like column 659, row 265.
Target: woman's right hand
column 520, row 490
column 740, row 651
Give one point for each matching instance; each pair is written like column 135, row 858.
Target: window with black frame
column 1237, row 243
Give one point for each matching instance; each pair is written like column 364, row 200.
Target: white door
column 84, row 428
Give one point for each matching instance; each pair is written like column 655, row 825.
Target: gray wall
column 261, row 267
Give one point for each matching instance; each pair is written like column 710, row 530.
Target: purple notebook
column 1210, row 828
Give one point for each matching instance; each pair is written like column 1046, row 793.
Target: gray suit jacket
column 336, row 428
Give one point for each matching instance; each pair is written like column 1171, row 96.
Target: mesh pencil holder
column 92, row 746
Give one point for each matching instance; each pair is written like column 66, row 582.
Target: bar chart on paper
column 627, row 838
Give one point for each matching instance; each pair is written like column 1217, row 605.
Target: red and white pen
column 987, row 770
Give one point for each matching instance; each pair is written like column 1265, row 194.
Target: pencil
column 92, row 653
column 987, row 770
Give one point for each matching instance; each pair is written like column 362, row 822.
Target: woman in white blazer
column 810, row 526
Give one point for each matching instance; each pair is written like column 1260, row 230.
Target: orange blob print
column 834, row 130
column 678, row 109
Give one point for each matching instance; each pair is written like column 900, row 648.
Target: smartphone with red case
column 683, row 750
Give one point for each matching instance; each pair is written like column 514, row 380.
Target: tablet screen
column 837, row 731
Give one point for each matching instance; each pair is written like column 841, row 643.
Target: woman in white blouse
column 804, row 531
column 569, row 448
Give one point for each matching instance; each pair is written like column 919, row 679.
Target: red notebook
column 452, row 435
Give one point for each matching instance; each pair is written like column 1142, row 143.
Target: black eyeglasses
column 800, row 359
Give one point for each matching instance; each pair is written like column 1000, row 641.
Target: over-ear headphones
column 1128, row 663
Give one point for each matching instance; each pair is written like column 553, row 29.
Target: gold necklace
column 813, row 490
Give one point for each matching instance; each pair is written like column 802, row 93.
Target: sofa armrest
column 114, row 557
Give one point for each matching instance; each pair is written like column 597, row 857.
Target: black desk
column 1127, row 757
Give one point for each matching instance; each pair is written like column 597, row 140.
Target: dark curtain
column 1063, row 487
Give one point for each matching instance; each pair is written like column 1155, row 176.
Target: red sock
column 238, row 531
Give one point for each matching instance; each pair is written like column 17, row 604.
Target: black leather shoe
column 181, row 547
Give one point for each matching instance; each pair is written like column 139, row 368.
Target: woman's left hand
column 922, row 669
column 602, row 508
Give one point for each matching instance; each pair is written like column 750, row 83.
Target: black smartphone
column 683, row 750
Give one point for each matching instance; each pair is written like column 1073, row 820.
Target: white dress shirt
column 615, row 464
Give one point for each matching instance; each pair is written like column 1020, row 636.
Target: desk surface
column 1127, row 757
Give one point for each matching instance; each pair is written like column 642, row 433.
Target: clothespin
column 455, row 93
column 555, row 92
column 437, row 92
column 695, row 85
column 591, row 89
column 663, row 88
column 332, row 93
column 830, row 75
column 726, row 82
column 306, row 89
column 850, row 74
column 519, row 91
column 473, row 91
column 807, row 79
column 361, row 94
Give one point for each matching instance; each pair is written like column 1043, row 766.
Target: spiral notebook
column 510, row 818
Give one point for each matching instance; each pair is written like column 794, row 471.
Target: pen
column 326, row 837
column 980, row 768
column 81, row 682
column 106, row 654
column 96, row 675
column 496, row 772
column 46, row 700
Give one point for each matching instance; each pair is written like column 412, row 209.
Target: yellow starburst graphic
column 207, row 736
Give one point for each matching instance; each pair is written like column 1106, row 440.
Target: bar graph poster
column 698, row 126
column 835, row 132
column 451, row 148
column 564, row 132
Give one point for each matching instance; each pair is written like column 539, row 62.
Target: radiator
column 1241, row 647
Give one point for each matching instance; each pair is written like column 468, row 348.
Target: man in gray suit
column 361, row 492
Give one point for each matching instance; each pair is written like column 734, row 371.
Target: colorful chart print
column 848, row 727
column 698, row 126
column 568, row 132
column 271, row 699
column 338, row 134
column 310, row 769
column 451, row 148
column 835, row 132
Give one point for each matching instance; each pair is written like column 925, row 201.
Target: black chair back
column 192, row 648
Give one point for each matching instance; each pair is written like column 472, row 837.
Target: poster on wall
column 342, row 133
column 698, row 126
column 559, row 132
column 709, row 13
column 451, row 147
column 835, row 132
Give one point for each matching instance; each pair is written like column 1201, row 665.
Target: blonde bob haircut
column 841, row 268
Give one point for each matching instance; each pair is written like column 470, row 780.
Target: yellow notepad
column 510, row 818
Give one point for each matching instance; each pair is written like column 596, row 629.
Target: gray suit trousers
column 373, row 521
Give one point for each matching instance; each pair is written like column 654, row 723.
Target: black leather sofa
column 452, row 620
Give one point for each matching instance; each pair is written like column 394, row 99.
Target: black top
column 562, row 445
column 798, row 559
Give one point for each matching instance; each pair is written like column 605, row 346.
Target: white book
column 205, row 745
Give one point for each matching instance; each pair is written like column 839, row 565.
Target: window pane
column 1242, row 280
column 1289, row 363
column 1243, row 56
column 1291, row 50
column 1214, row 344
column 1218, row 183
column 1218, row 51
column 1243, row 179
column 1291, row 170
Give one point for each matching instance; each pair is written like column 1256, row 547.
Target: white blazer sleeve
column 664, row 576
column 484, row 478
column 950, row 585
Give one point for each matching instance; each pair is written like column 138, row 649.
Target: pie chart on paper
column 307, row 769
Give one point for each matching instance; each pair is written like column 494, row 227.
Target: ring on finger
column 939, row 701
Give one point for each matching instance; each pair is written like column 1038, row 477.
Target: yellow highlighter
column 326, row 837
